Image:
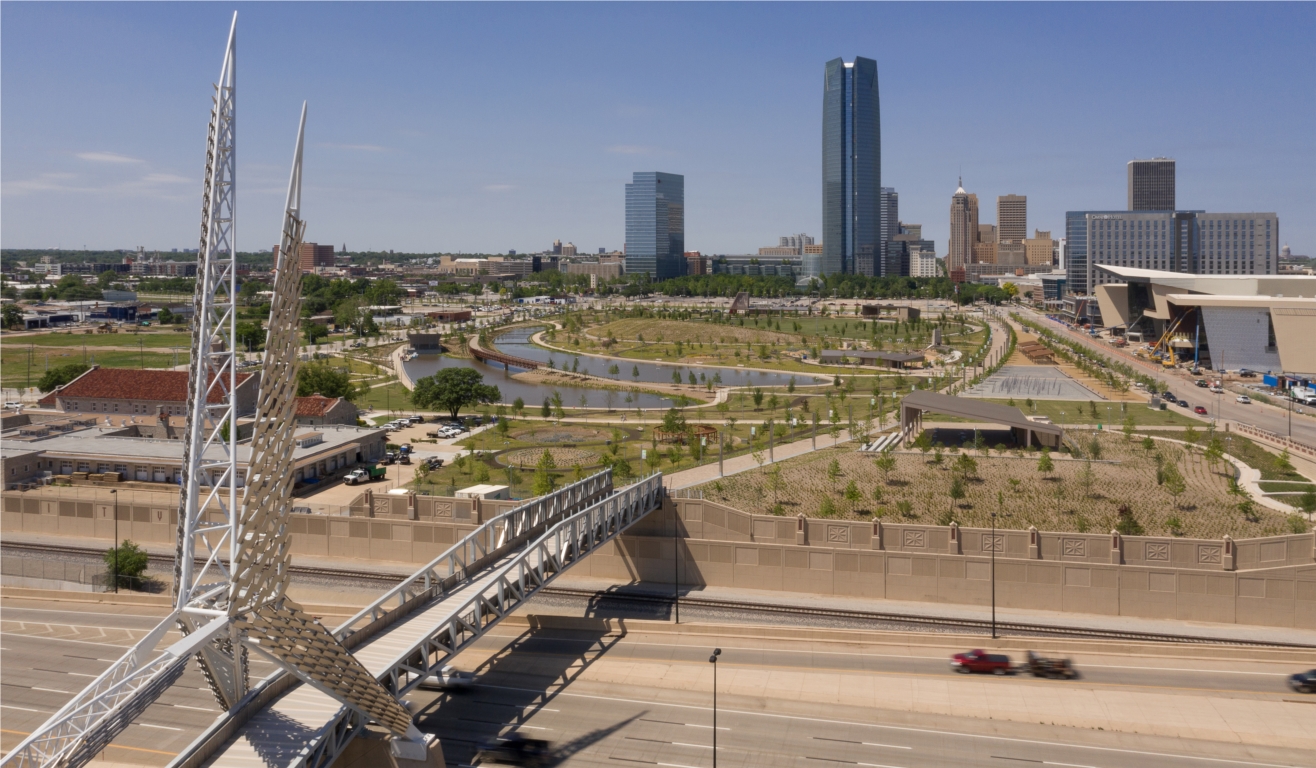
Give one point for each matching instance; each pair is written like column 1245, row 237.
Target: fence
column 95, row 577
column 1284, row 442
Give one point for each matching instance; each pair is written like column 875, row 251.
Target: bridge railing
column 490, row 541
column 563, row 544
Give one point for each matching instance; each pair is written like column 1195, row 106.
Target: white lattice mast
column 208, row 505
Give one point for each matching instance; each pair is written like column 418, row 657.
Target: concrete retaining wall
column 1269, row 582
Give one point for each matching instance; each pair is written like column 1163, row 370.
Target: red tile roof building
column 128, row 391
column 318, row 410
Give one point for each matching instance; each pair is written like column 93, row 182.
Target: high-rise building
column 889, row 226
column 568, row 250
column 1011, row 218
column 851, row 168
column 1040, row 248
column 1193, row 242
column 655, row 225
column 984, row 248
column 557, row 247
column 1151, row 185
column 911, row 229
column 311, row 255
column 963, row 228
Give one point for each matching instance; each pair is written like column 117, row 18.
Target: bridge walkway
column 401, row 646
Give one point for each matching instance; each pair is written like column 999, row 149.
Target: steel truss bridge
column 233, row 556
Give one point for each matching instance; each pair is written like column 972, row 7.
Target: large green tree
column 319, row 378
column 452, row 389
column 61, row 375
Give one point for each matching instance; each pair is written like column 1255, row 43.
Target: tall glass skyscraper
column 655, row 225
column 851, row 168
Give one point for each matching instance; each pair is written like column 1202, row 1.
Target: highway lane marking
column 921, row 658
column 513, row 706
column 1090, row 684
column 84, row 613
column 865, row 743
column 50, row 690
column 107, row 746
column 906, row 728
column 163, row 727
column 88, row 658
column 61, row 639
column 184, row 706
column 668, row 722
column 26, row 709
column 849, row 762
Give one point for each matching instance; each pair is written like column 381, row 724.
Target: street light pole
column 115, row 493
column 713, row 660
column 993, row 575
column 676, row 567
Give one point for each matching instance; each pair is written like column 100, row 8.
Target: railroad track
column 648, row 598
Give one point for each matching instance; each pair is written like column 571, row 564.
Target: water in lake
column 517, row 342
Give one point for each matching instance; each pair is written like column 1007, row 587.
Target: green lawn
column 392, row 396
column 149, row 338
column 1110, row 415
column 14, row 370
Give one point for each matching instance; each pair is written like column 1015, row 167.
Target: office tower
column 851, row 167
column 889, row 224
column 1040, row 248
column 795, row 241
column 1011, row 218
column 310, row 256
column 655, row 225
column 984, row 246
column 911, row 229
column 557, row 247
column 902, row 252
column 963, row 228
column 1151, row 185
column 1193, row 242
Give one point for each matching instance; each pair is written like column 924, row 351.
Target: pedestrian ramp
column 416, row 628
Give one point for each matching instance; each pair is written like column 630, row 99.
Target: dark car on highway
column 979, row 660
column 514, row 749
column 1303, row 682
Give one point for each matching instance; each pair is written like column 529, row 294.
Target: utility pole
column 713, row 660
column 115, row 493
column 993, row 575
column 721, row 446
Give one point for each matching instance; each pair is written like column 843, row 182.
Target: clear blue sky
column 484, row 127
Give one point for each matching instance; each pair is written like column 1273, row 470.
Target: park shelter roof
column 977, row 410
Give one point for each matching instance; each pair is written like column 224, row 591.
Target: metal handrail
column 560, row 546
column 476, row 547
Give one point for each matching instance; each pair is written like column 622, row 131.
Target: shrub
column 1296, row 523
column 132, row 562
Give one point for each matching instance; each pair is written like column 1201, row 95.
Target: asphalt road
column 52, row 650
column 1271, row 418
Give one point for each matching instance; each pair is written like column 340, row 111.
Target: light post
column 993, row 542
column 713, row 660
column 115, row 493
column 676, row 567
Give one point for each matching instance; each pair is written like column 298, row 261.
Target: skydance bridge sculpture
column 231, row 567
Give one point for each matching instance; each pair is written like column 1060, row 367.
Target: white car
column 450, row 679
column 1244, row 399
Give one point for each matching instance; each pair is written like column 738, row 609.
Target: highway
column 644, row 698
column 1224, row 407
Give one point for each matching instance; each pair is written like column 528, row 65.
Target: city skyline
column 388, row 170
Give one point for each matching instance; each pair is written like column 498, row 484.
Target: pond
column 517, row 342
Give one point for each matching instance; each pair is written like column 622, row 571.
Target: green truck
column 365, row 475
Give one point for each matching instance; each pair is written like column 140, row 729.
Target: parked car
column 1244, row 399
column 514, row 749
column 1303, row 682
column 13, row 404
column 980, row 661
column 1199, row 410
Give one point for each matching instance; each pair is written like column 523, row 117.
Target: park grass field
column 149, row 338
column 14, row 371
column 1077, row 495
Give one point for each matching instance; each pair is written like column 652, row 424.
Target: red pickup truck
column 980, row 661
